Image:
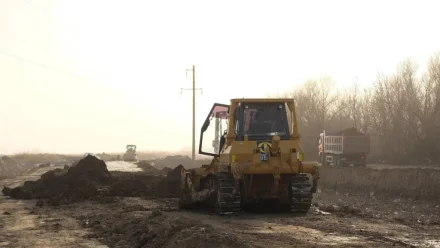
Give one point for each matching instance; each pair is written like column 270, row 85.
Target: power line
column 49, row 67
column 32, row 43
column 44, row 12
column 37, row 45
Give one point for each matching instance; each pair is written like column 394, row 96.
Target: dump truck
column 347, row 147
column 130, row 155
column 257, row 159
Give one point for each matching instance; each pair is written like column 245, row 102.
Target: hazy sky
column 91, row 76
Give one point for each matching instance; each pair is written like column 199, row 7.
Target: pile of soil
column 134, row 184
column 90, row 178
column 148, row 167
column 173, row 180
column 44, row 165
column 171, row 161
column 166, row 169
column 80, row 181
column 145, row 184
column 9, row 167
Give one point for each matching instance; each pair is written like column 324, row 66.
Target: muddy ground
column 349, row 211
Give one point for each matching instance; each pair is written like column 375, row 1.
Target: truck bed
column 347, row 144
column 356, row 144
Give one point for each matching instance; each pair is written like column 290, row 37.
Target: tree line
column 401, row 112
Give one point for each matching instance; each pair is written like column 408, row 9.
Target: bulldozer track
column 300, row 193
column 225, row 199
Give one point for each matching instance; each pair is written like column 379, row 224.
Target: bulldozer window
column 262, row 119
column 217, row 123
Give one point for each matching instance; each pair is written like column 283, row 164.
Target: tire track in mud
column 262, row 230
column 317, row 230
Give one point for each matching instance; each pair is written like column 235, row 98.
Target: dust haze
column 96, row 130
column 91, row 77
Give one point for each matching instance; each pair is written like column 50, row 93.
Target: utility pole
column 194, row 110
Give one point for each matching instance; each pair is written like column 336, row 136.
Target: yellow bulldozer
column 258, row 159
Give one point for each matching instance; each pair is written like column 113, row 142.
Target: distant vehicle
column 130, row 155
column 346, row 147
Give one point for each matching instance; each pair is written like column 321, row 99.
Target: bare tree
column 402, row 110
column 354, row 104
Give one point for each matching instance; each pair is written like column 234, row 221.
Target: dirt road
column 337, row 220
column 122, row 166
column 22, row 224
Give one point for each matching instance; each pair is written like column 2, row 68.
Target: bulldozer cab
column 261, row 120
column 246, row 119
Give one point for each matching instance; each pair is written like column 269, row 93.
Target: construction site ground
column 354, row 207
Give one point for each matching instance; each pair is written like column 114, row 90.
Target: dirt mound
column 80, row 181
column 417, row 184
column 176, row 173
column 177, row 158
column 44, row 165
column 171, row 185
column 9, row 167
column 171, row 161
column 149, row 167
column 89, row 178
column 131, row 184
